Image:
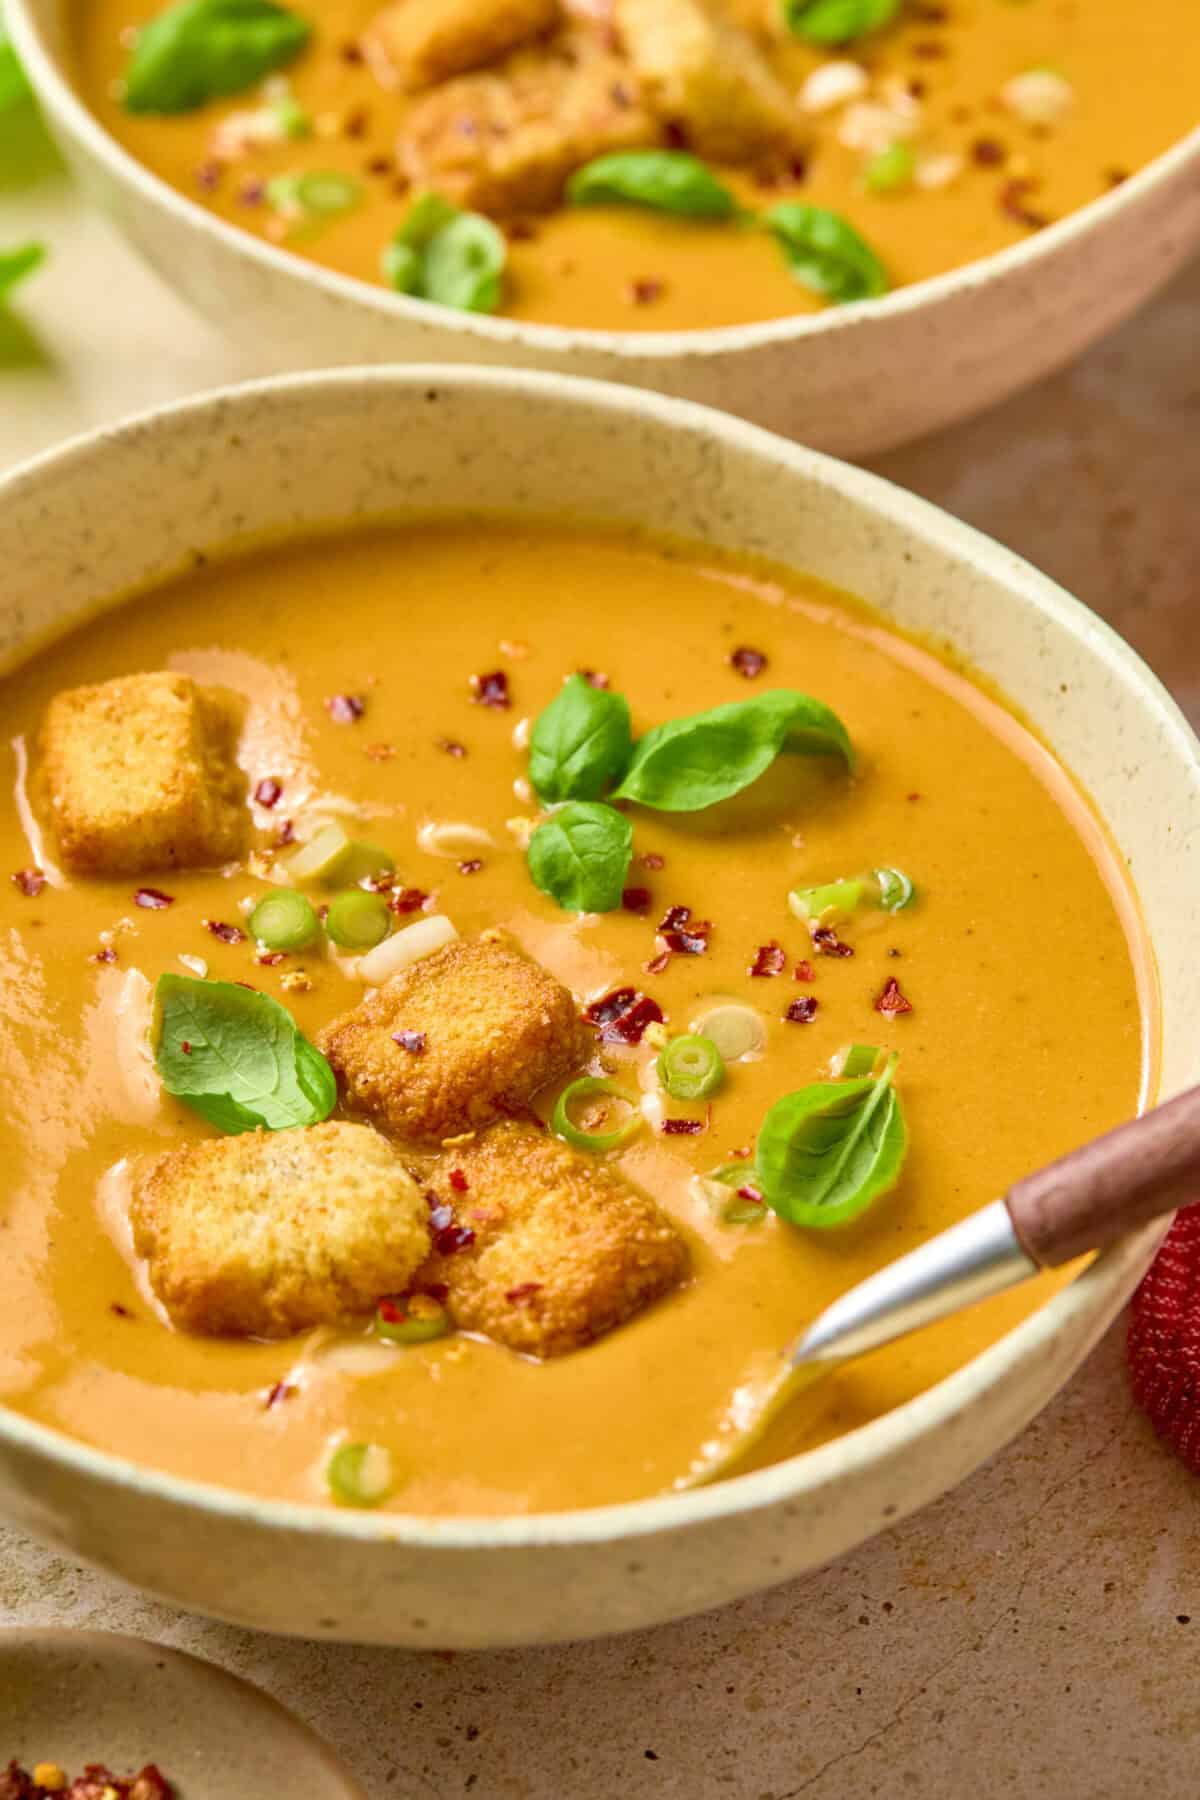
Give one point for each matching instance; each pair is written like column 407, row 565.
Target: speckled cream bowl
column 850, row 380
column 127, row 507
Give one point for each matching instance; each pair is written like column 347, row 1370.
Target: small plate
column 74, row 1697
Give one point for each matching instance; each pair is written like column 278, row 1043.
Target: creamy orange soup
column 957, row 130
column 1031, row 1026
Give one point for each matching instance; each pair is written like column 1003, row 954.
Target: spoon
column 1085, row 1201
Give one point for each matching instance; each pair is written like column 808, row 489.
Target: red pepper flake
column 458, row 1181
column 645, row 291
column 828, row 943
column 286, row 833
column 747, row 662
column 448, row 1240
column 106, row 954
column 929, row 49
column 492, row 689
column 208, row 176
column 351, row 53
column 520, row 231
column 989, row 153
column 252, row 192
column 658, row 963
column 652, row 860
column 153, row 899
column 802, row 1011
column 269, row 958
column 751, row 1193
column 121, row 1312
column 636, row 899
column 345, row 709
column 412, row 1041
column 471, row 866
column 1115, row 177
column 892, row 1001
column 407, row 900
column 683, row 934
column 682, row 1127
column 623, row 1015
column 517, row 1296
column 381, row 752
column 30, row 882
column 769, row 959
column 594, row 678
column 912, row 797
column 451, row 747
column 186, row 1047
column 1013, row 202
column 436, row 1290
column 355, row 125
column 228, row 934
column 269, row 791
column 805, row 972
column 283, row 1390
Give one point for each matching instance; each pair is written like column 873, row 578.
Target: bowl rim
column 1106, row 1278
column 48, row 75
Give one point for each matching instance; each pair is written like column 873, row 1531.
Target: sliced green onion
column 896, row 891
column 358, row 921
column 836, row 899
column 691, row 1067
column 291, row 117
column 854, row 1060
column 416, row 1320
column 321, row 856
column 589, row 1087
column 889, row 170
column 400, row 266
column 284, row 920
column 463, row 265
column 315, row 194
column 360, row 1474
column 361, row 861
column 736, row 1029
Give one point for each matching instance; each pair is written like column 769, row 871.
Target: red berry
column 1164, row 1340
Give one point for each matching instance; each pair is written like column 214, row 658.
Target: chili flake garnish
column 185, row 1047
column 623, row 1015
column 594, row 678
column 408, row 900
column 892, row 1001
column 268, row 791
column 345, row 709
column 769, row 959
column 381, row 752
column 747, row 662
column 270, row 957
column 750, row 1192
column 802, row 1011
column 683, row 934
column 989, row 153
column 451, row 746
column 652, row 860
column 228, row 934
column 106, row 954
column 525, row 1290
column 658, row 963
column 828, row 943
column 283, row 1390
column 30, row 882
column 470, row 866
column 286, row 833
column 805, row 972
column 458, row 1181
column 645, row 290
column 491, row 689
column 682, row 1127
column 448, row 1236
column 121, row 1312
column 1013, row 202
column 153, row 899
column 412, row 1041
column 636, row 899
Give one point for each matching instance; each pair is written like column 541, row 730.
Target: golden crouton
column 564, row 1248
column 420, row 42
column 274, row 1231
column 140, row 774
column 701, row 72
column 506, row 141
column 456, row 1041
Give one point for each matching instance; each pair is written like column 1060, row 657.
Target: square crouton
column 506, row 141
column 456, row 1041
column 421, row 42
column 564, row 1247
column 701, row 72
column 140, row 774
column 273, row 1232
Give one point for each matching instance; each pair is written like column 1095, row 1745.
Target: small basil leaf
column 236, row 1057
column 828, row 1151
column 826, row 254
column 581, row 744
column 580, row 856
column 669, row 181
column 14, row 84
column 200, row 50
column 464, row 265
column 691, row 763
column 837, row 21
column 16, row 264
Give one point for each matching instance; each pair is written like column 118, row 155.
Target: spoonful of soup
column 1085, row 1201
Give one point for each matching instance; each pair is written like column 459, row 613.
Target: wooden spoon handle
column 1095, row 1195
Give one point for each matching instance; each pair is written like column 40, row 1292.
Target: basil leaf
column 245, row 1064
column 837, row 21
column 695, row 762
column 450, row 257
column 580, row 856
column 826, row 254
column 14, row 83
column 828, row 1151
column 16, row 264
column 670, row 181
column 581, row 744
column 200, row 50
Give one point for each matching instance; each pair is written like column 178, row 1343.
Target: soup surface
column 951, row 133
column 1030, row 991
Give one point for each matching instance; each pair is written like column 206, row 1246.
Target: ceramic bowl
column 129, row 506
column 852, row 380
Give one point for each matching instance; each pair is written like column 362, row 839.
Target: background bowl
column 129, row 506
column 851, row 380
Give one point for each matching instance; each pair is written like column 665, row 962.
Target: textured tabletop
column 1035, row 1633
